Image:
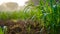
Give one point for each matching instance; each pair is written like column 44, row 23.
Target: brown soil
column 22, row 27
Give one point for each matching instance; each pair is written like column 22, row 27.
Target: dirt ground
column 23, row 27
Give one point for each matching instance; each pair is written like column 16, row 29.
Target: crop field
column 43, row 18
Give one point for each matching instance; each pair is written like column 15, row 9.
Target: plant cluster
column 47, row 14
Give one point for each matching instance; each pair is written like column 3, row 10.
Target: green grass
column 47, row 11
column 1, row 31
